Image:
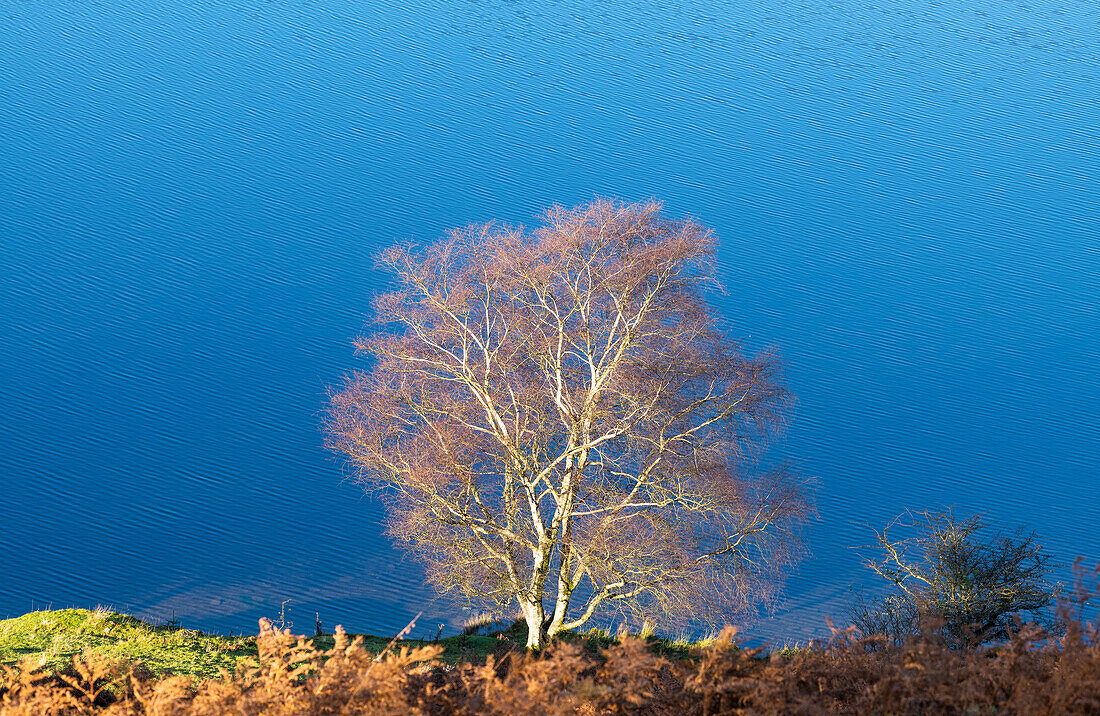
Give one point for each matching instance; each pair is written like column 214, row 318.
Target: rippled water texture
column 192, row 192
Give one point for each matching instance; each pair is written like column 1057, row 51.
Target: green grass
column 50, row 639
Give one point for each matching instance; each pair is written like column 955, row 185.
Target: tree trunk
column 565, row 588
column 560, row 607
column 565, row 552
column 534, row 615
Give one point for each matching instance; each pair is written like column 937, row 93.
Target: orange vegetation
column 1031, row 674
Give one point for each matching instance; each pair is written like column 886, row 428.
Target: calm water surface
column 191, row 193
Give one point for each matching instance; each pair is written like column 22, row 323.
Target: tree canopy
column 558, row 421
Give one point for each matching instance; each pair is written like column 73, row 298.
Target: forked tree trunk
column 534, row 611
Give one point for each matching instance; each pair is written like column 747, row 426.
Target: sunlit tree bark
column 557, row 420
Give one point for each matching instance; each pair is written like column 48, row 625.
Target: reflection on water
column 193, row 192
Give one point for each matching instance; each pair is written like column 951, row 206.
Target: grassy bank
column 50, row 639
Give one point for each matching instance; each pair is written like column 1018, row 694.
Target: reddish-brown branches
column 557, row 416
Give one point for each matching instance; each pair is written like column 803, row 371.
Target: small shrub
column 951, row 580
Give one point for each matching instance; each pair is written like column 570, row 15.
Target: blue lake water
column 191, row 194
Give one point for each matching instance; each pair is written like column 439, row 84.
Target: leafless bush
column 953, row 582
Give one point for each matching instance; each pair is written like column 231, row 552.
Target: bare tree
column 947, row 575
column 558, row 421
